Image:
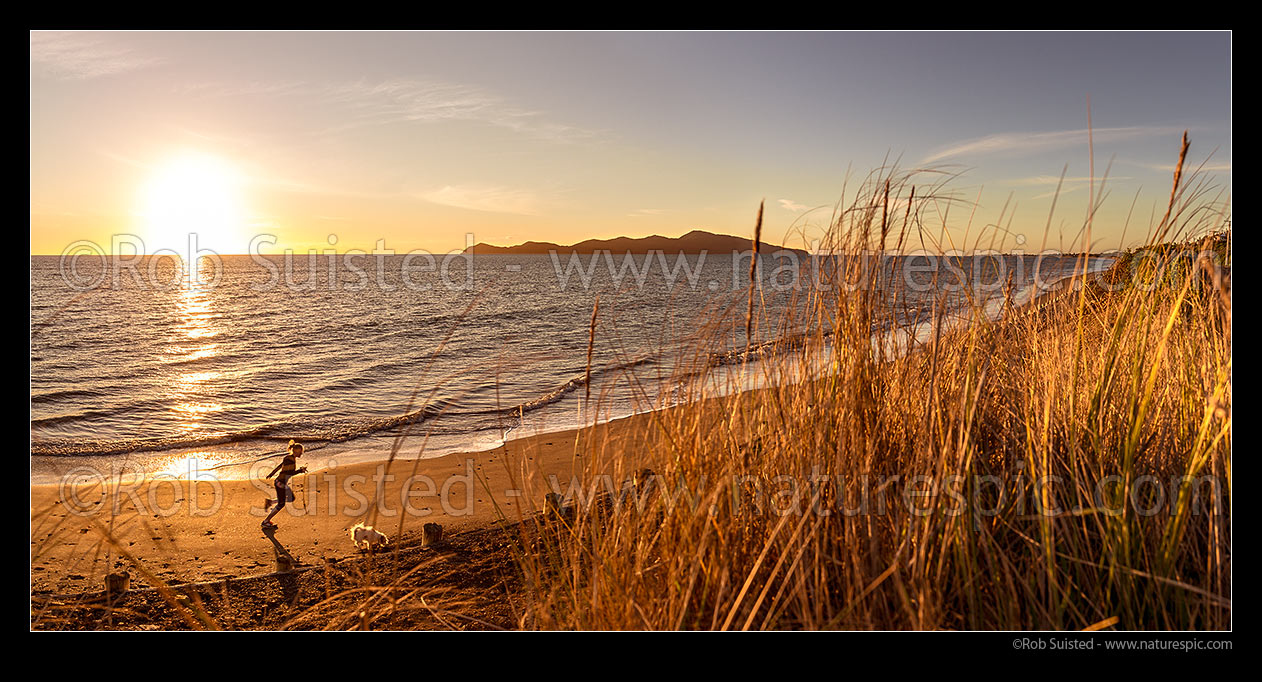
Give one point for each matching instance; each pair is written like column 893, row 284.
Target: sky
column 431, row 140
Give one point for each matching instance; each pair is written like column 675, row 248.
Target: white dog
column 367, row 537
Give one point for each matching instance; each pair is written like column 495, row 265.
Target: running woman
column 288, row 468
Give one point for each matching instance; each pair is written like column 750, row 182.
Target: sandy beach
column 196, row 531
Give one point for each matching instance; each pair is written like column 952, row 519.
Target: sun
column 194, row 195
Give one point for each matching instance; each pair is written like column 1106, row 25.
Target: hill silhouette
column 696, row 241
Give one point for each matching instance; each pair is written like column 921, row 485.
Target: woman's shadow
column 285, row 565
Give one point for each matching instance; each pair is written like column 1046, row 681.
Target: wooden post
column 432, row 534
column 117, row 583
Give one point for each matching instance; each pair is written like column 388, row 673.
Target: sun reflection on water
column 197, row 321
column 188, row 466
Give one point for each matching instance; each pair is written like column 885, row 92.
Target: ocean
column 143, row 366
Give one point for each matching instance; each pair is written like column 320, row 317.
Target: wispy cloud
column 244, row 88
column 80, row 56
column 642, row 212
column 1027, row 143
column 1207, row 168
column 1067, row 184
column 1039, row 180
column 1063, row 191
column 792, row 206
column 424, row 101
column 489, row 198
column 368, row 103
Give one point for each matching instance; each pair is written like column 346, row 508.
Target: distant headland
column 697, row 241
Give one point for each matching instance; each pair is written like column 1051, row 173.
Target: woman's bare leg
column 269, row 516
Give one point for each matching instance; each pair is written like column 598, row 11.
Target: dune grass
column 1065, row 466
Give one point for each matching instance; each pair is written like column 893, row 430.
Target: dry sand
column 201, row 531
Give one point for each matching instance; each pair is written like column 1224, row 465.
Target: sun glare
column 198, row 195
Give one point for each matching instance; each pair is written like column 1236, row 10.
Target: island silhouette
column 697, row 241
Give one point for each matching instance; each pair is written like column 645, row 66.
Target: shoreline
column 354, row 452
